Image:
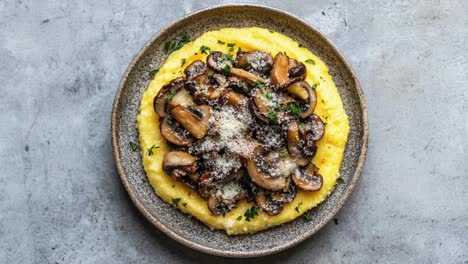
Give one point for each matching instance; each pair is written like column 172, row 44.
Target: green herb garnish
column 154, row 72
column 300, row 45
column 226, row 70
column 311, row 61
column 183, row 61
column 284, row 154
column 204, row 48
column 231, row 46
column 184, row 204
column 295, row 110
column 150, row 150
column 239, row 50
column 340, row 180
column 257, row 84
column 302, row 126
column 272, row 115
column 133, row 146
column 171, row 46
column 307, row 217
column 335, row 220
column 271, row 31
column 314, row 86
column 239, row 218
column 251, row 213
column 221, row 42
column 297, row 207
column 227, row 57
column 176, row 201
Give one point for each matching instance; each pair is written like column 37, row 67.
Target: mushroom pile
column 242, row 128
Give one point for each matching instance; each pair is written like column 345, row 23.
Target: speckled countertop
column 61, row 200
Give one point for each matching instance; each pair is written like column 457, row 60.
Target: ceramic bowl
column 190, row 231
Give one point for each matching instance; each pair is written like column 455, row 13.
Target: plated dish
column 189, row 230
column 232, row 129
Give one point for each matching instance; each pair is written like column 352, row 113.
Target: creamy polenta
column 329, row 108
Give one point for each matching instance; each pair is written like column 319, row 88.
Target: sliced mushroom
column 286, row 195
column 264, row 179
column 296, row 69
column 244, row 147
column 168, row 90
column 195, row 69
column 279, row 73
column 299, row 90
column 238, row 84
column 307, row 178
column 182, row 97
column 294, row 143
column 179, row 164
column 239, row 101
column 249, row 77
column 258, row 61
column 314, row 128
column 216, row 206
column 263, row 104
column 219, row 62
column 193, row 118
column 175, row 133
column 268, row 205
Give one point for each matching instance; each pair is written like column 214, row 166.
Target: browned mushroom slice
column 279, row 73
column 166, row 93
column 296, row 69
column 216, row 206
column 175, row 133
column 285, row 196
column 244, row 147
column 313, row 127
column 266, row 204
column 299, row 89
column 263, row 106
column 220, row 62
column 259, row 61
column 182, row 97
column 265, row 179
column 294, row 142
column 237, row 100
column 194, row 69
column 193, row 118
column 238, row 85
column 249, row 77
column 307, row 178
column 179, row 164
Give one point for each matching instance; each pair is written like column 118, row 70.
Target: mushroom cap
column 160, row 100
column 193, row 118
column 194, row 69
column 258, row 61
column 248, row 76
column 307, row 178
column 219, row 62
column 175, row 133
column 179, row 164
column 279, row 73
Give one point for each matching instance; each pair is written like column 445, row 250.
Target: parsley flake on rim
column 173, row 45
column 154, row 72
column 149, row 152
column 133, row 146
column 307, row 217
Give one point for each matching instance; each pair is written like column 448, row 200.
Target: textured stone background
column 61, row 200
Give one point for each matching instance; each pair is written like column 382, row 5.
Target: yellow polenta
column 329, row 107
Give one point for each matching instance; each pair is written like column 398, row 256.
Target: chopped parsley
column 251, row 213
column 176, row 201
column 226, row 70
column 204, row 48
column 133, row 146
column 171, row 46
column 231, row 46
column 307, row 217
column 150, row 150
column 221, row 42
column 340, row 180
column 183, row 61
column 295, row 110
column 272, row 115
column 284, row 154
column 204, row 91
column 170, row 96
column 239, row 50
column 323, row 101
column 300, row 45
column 257, row 84
column 302, row 126
column 335, row 220
column 297, row 207
column 271, row 31
column 154, row 72
column 311, row 61
column 314, row 86
column 239, row 218
column 227, row 57
column 184, row 204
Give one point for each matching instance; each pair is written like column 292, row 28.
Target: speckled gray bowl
column 190, row 231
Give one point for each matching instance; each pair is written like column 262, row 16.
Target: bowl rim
column 239, row 254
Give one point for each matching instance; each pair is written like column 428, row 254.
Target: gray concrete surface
column 61, row 200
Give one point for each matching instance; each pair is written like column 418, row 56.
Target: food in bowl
column 242, row 128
